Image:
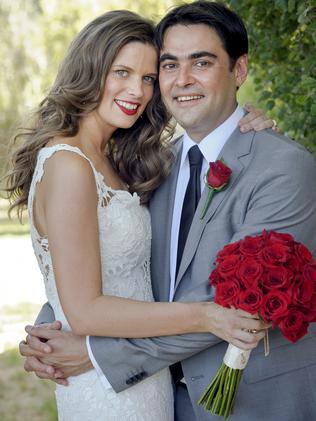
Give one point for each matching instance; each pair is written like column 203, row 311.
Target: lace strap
column 46, row 153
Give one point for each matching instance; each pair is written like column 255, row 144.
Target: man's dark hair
column 227, row 24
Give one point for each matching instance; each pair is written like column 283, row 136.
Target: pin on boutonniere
column 216, row 179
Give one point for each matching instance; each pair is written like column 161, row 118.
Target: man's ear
column 241, row 70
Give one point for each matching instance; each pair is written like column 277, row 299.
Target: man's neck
column 197, row 134
column 227, row 126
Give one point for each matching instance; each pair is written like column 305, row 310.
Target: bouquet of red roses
column 270, row 275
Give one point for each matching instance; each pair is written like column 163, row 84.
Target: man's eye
column 203, row 63
column 168, row 66
column 121, row 72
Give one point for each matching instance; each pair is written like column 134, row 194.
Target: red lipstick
column 127, row 111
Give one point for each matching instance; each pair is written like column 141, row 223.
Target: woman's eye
column 121, row 72
column 150, row 79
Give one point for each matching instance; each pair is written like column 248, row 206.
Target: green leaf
column 270, row 104
column 291, row 5
column 313, row 110
column 281, row 4
column 300, row 99
column 265, row 95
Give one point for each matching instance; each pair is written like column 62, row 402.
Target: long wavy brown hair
column 141, row 154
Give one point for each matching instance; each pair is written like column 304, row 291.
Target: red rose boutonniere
column 216, row 179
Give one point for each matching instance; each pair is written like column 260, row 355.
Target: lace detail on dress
column 125, row 237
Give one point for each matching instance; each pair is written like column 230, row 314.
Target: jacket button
column 197, row 377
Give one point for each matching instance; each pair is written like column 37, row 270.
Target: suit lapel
column 236, row 146
column 161, row 208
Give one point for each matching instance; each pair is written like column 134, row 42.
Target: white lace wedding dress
column 125, row 236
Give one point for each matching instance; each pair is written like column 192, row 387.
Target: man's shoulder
column 270, row 140
column 274, row 155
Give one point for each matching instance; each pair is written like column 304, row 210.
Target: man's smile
column 185, row 98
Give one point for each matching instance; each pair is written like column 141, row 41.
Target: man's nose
column 184, row 76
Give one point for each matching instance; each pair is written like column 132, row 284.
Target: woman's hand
column 54, row 354
column 256, row 120
column 236, row 327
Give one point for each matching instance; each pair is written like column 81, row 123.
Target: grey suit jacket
column 272, row 187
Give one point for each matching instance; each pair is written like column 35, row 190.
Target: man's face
column 196, row 82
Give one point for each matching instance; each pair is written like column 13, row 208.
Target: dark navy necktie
column 191, row 199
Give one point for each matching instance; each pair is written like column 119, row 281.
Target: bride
column 86, row 169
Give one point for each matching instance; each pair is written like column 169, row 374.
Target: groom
column 203, row 62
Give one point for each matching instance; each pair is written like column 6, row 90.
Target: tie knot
column 195, row 156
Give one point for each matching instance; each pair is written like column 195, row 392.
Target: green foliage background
column 35, row 34
column 283, row 56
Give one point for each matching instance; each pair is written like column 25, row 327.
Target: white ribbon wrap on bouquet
column 236, row 358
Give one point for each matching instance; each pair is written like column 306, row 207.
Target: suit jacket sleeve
column 280, row 197
column 46, row 315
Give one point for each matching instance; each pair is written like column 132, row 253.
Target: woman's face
column 129, row 85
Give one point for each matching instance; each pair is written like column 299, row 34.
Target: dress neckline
column 100, row 175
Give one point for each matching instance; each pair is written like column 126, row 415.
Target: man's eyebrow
column 200, row 54
column 167, row 56
column 195, row 55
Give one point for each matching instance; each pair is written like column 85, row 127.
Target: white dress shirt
column 210, row 147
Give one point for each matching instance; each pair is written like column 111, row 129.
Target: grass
column 21, row 312
column 22, row 395
column 11, row 226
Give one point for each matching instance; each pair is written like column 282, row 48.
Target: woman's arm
column 67, row 195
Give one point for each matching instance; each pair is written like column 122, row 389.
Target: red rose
column 251, row 246
column 302, row 291
column 302, row 253
column 228, row 266
column 310, row 316
column 294, row 325
column 227, row 250
column 309, row 272
column 226, row 293
column 275, row 254
column 275, row 305
column 250, row 300
column 215, row 278
column 273, row 237
column 250, row 271
column 276, row 277
column 294, row 265
column 218, row 175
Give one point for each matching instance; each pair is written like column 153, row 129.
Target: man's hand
column 54, row 354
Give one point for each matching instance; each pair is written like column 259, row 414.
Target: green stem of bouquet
column 230, row 376
column 207, row 397
column 219, row 396
column 208, row 201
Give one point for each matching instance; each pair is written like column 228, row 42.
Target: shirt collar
column 213, row 143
